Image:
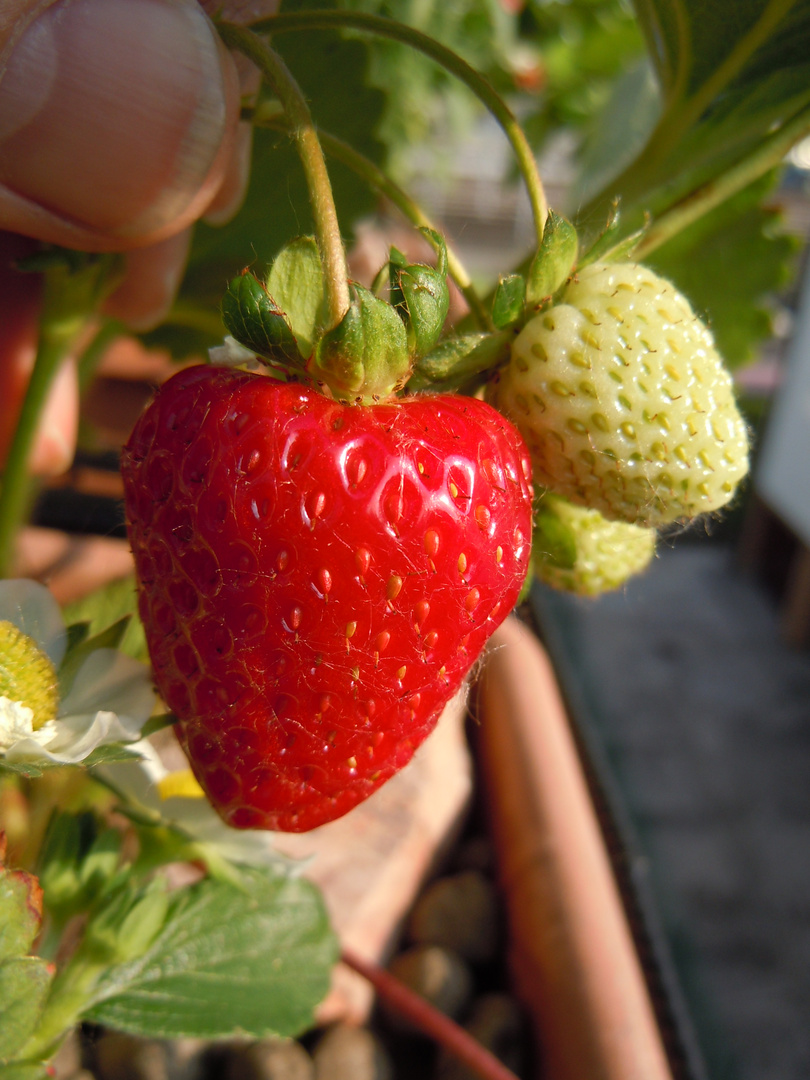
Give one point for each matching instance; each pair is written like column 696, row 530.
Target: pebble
column 269, row 1059
column 498, row 1022
column 351, row 1053
column 460, row 912
column 436, row 974
column 117, row 1056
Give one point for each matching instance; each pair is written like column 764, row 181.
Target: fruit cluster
column 322, row 557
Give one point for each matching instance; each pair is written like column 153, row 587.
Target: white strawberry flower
column 173, row 797
column 109, row 699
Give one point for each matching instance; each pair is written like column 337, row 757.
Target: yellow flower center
column 27, row 675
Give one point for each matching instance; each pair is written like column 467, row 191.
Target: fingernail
column 114, row 113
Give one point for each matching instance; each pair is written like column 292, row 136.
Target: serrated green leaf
column 20, row 912
column 554, row 260
column 743, row 234
column 22, row 768
column 733, row 90
column 508, row 302
column 295, row 281
column 106, row 606
column 24, row 985
column 254, row 961
column 256, row 321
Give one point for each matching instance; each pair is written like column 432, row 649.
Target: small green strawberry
column 624, row 401
column 577, row 550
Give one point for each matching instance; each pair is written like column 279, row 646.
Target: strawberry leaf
column 254, row 959
column 744, row 234
column 733, row 92
column 106, row 606
column 20, row 912
column 24, row 985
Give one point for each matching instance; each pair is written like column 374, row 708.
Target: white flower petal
column 138, row 780
column 16, row 722
column 116, row 683
column 32, row 609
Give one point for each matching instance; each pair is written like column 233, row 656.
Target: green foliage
column 421, row 98
column 730, row 89
column 105, row 606
column 254, row 959
column 24, row 980
column 728, row 263
column 584, row 46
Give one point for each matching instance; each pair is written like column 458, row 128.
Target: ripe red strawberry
column 316, row 579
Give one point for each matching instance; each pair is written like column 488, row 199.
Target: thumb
column 117, row 119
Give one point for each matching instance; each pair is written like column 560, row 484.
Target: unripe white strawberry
column 624, row 400
column 577, row 550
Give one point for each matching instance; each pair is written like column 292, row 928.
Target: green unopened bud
column 365, row 357
column 256, row 321
column 28, row 679
column 553, row 263
column 128, row 924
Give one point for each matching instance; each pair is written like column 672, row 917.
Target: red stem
column 429, row 1020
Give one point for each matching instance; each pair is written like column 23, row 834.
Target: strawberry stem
column 377, row 178
column 446, row 1032
column 452, row 62
column 289, row 93
column 71, row 295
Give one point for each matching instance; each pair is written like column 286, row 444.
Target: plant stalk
column 289, row 93
column 446, row 1032
column 384, row 27
column 377, row 178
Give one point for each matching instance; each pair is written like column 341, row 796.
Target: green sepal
column 509, row 301
column 421, row 295
column 552, row 539
column 295, row 281
column 365, row 357
column 606, row 249
column 456, row 361
column 253, row 317
column 554, row 261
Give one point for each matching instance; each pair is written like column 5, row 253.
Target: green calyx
column 576, row 549
column 27, row 676
column 365, row 358
column 420, row 295
column 554, row 261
